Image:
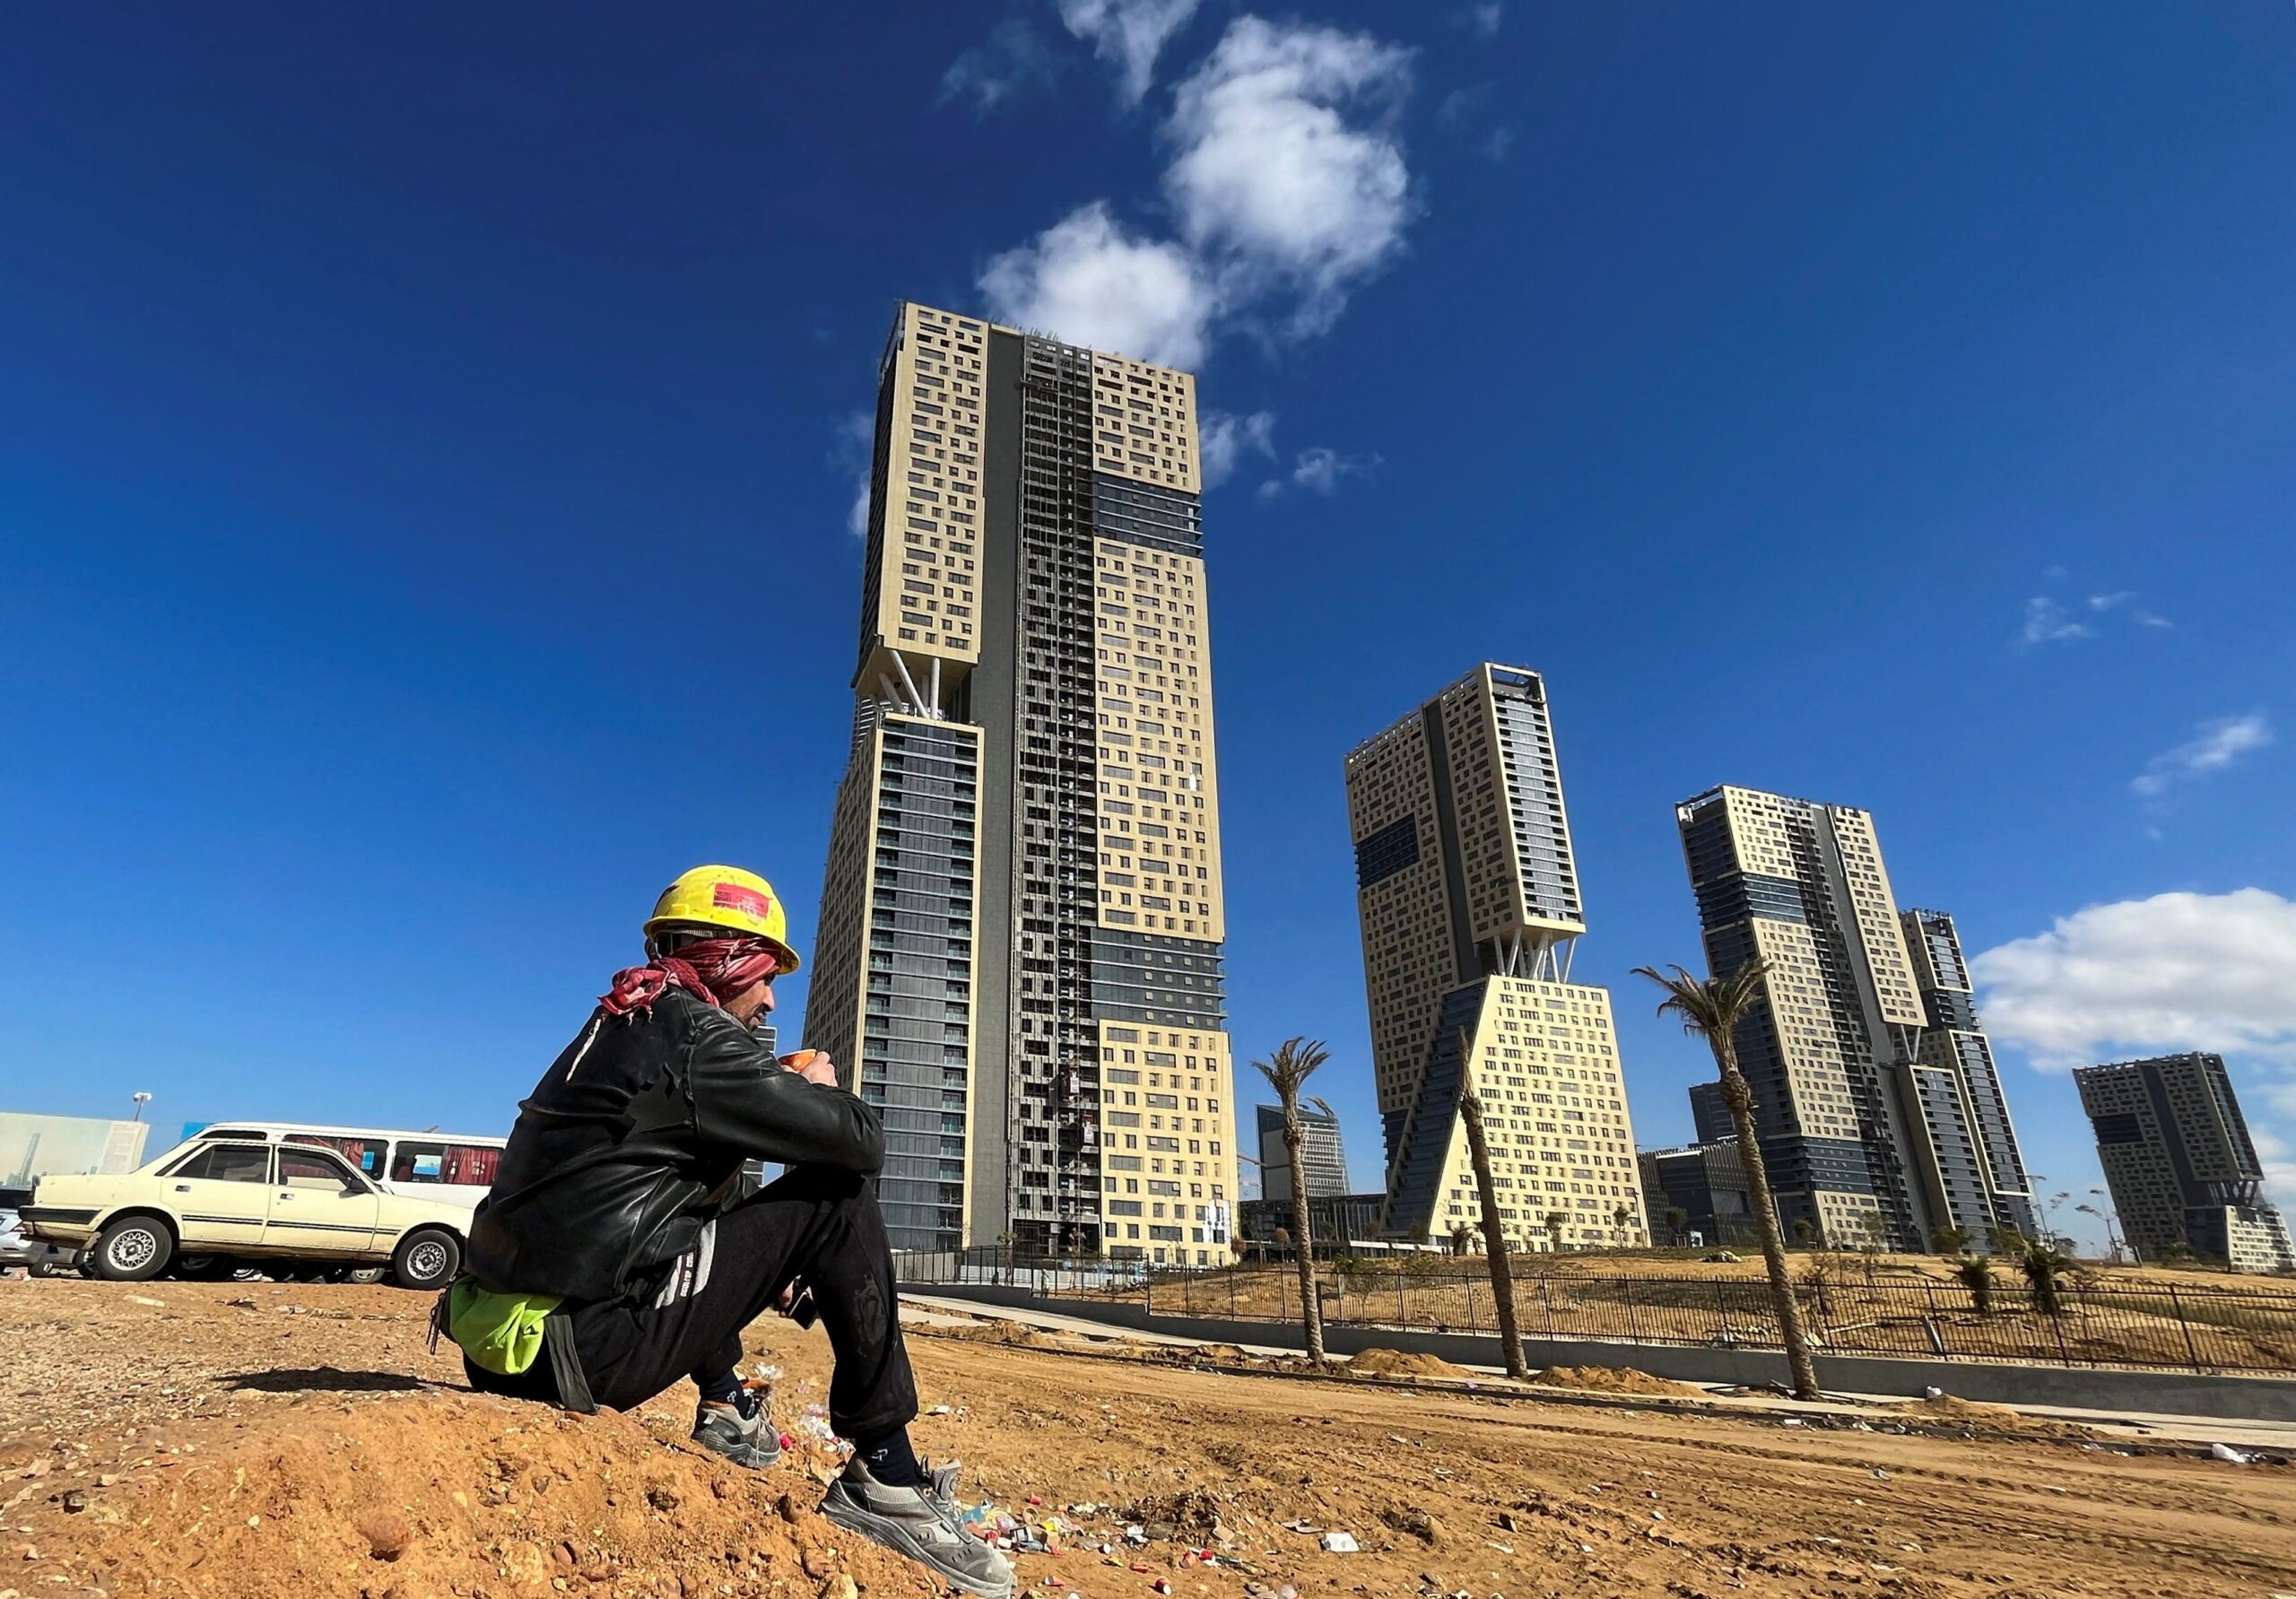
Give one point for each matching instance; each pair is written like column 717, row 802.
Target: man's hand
column 813, row 1066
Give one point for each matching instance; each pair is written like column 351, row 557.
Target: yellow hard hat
column 727, row 897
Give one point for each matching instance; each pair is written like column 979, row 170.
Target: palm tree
column 1554, row 1220
column 1494, row 1235
column 1287, row 1072
column 1712, row 1008
column 1976, row 1272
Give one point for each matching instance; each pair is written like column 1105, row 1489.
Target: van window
column 228, row 1163
column 365, row 1153
column 459, row 1164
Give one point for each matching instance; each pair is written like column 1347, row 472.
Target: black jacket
column 612, row 1165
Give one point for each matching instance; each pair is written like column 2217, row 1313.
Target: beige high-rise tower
column 1469, row 901
column 1879, row 1112
column 1022, row 918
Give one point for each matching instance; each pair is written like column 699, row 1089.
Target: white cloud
column 1482, row 21
column 2052, row 620
column 2048, row 622
column 1319, row 469
column 2176, row 972
column 1087, row 280
column 1225, row 439
column 2213, row 746
column 2274, row 1153
column 1270, row 181
column 1286, row 178
column 1128, row 34
column 1013, row 59
column 857, row 437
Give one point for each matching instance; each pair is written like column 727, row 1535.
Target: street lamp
column 142, row 1100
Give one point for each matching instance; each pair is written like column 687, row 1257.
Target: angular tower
column 1022, row 913
column 2181, row 1163
column 1879, row 1123
column 1955, row 1046
column 1469, row 903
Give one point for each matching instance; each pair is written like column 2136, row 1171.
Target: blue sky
column 426, row 462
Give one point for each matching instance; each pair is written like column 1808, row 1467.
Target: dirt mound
column 1192, row 1513
column 1615, row 1379
column 1992, row 1418
column 991, row 1331
column 1396, row 1363
column 408, row 1497
column 1188, row 1354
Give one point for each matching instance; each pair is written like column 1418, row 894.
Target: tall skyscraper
column 1324, row 1159
column 1869, row 1126
column 1020, row 947
column 2181, row 1166
column 1955, row 1048
column 1468, row 897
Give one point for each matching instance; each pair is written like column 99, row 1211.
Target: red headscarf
column 712, row 969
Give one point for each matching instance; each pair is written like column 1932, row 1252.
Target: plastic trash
column 2229, row 1456
column 1345, row 1542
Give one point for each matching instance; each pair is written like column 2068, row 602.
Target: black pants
column 814, row 1223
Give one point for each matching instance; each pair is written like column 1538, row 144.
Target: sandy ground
column 301, row 1442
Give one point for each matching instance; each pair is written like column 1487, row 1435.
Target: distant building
column 1338, row 1221
column 1710, row 1116
column 1705, row 1180
column 1326, row 1160
column 2181, row 1166
column 33, row 1147
column 1468, row 897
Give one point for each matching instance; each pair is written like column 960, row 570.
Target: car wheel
column 366, row 1274
column 42, row 1268
column 426, row 1258
column 133, row 1248
column 205, row 1268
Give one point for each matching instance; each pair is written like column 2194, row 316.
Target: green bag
column 501, row 1332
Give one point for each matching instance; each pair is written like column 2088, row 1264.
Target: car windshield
column 14, row 1198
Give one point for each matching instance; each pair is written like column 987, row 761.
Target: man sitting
column 614, row 1255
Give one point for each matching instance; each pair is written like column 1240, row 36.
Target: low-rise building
column 1338, row 1222
column 33, row 1147
column 1707, row 1182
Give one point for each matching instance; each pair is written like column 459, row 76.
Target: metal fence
column 2195, row 1328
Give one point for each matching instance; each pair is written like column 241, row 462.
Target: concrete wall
column 2169, row 1393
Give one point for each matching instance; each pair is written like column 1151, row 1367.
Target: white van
column 444, row 1166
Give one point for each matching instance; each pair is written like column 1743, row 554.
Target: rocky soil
column 187, row 1439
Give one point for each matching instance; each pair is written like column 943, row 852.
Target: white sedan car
column 247, row 1201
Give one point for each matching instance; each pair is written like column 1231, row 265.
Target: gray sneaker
column 748, row 1440
column 921, row 1523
